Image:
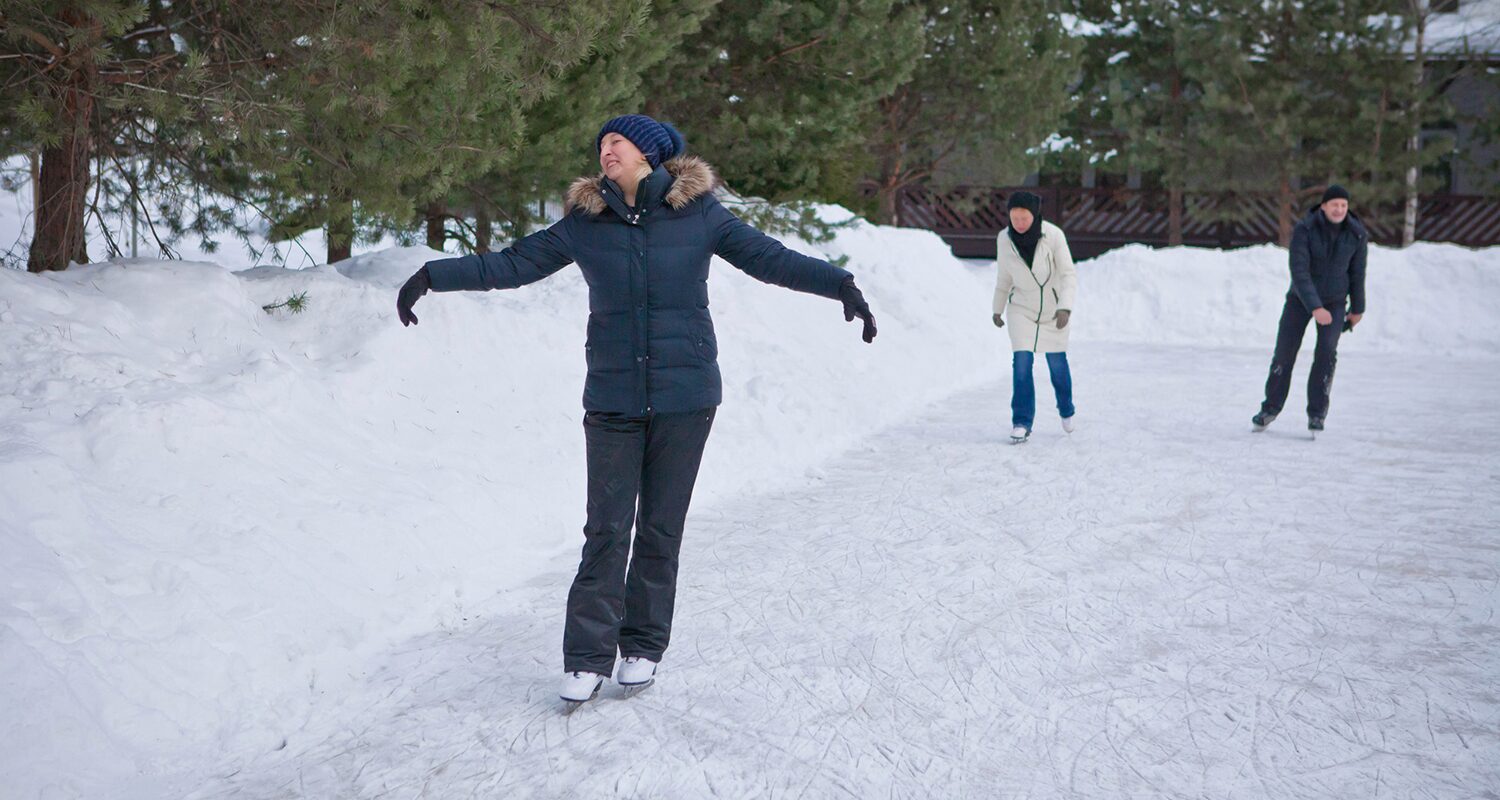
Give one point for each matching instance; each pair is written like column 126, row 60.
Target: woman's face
column 1021, row 219
column 619, row 157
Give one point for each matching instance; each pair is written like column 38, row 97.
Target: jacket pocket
column 605, row 355
column 706, row 347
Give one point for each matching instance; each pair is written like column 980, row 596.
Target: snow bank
column 1430, row 298
column 213, row 514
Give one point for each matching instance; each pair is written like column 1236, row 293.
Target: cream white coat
column 1031, row 297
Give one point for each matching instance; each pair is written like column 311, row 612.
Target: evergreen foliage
column 777, row 94
column 990, row 86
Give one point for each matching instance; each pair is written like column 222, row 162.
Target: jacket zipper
column 1036, row 341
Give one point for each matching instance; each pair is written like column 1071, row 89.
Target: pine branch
column 36, row 36
column 794, row 49
column 510, row 11
column 296, row 304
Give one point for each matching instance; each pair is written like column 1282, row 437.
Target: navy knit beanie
column 658, row 141
column 1026, row 200
column 1334, row 192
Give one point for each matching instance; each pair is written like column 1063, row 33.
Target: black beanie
column 1026, row 200
column 1334, row 192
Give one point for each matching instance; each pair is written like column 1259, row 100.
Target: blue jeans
column 1023, row 389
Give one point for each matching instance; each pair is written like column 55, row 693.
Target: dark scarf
column 1026, row 242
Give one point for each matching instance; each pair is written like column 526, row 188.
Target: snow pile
column 1438, row 299
column 213, row 514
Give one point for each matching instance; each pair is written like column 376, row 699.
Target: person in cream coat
column 1035, row 287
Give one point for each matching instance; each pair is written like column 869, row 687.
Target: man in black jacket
column 1327, row 256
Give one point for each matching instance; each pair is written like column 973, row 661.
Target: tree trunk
column 888, row 190
column 1174, row 216
column 1179, row 144
column 437, row 213
column 1285, row 200
column 62, row 186
column 1414, row 144
column 36, row 180
column 482, row 228
column 888, row 212
column 340, row 230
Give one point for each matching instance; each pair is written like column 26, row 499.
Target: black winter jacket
column 1328, row 262
column 651, row 344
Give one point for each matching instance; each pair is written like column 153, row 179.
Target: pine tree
column 991, row 83
column 1253, row 98
column 1155, row 49
column 1316, row 93
column 403, row 102
column 96, row 83
column 619, row 77
column 776, row 94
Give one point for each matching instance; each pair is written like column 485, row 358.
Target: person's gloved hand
column 1063, row 315
column 999, row 320
column 415, row 286
column 855, row 306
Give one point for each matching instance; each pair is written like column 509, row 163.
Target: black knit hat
column 1334, row 192
column 1026, row 200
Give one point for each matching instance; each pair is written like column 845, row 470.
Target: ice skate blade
column 632, row 689
column 569, row 706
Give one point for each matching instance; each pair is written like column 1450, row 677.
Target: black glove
column 999, row 320
column 1063, row 315
column 415, row 286
column 1348, row 326
column 855, row 306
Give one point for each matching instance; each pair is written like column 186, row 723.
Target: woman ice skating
column 642, row 232
column 1037, row 283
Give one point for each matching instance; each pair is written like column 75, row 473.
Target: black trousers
column 1294, row 319
column 641, row 474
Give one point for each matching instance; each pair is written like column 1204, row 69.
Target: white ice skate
column 1067, row 424
column 580, row 687
column 1019, row 434
column 636, row 672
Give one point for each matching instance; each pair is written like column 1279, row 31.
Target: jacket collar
column 674, row 183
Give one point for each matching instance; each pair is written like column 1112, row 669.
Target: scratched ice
column 1160, row 605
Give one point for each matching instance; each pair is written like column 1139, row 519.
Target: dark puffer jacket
column 1328, row 262
column 651, row 344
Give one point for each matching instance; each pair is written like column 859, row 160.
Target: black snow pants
column 641, row 472
column 1294, row 319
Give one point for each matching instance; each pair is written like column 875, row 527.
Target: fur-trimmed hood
column 693, row 178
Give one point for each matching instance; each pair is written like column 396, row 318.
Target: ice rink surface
column 1161, row 604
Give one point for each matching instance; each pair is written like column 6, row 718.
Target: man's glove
column 999, row 320
column 415, row 286
column 855, row 306
column 1063, row 315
